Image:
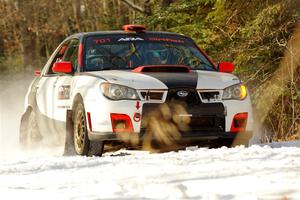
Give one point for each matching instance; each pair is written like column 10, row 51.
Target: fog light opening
column 239, row 122
column 121, row 123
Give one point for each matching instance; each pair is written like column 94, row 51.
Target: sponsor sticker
column 102, row 41
column 137, row 117
column 130, row 39
column 166, row 40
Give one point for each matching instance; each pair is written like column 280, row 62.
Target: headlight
column 118, row 92
column 238, row 92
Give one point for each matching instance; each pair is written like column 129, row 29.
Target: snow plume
column 12, row 92
column 13, row 89
column 163, row 126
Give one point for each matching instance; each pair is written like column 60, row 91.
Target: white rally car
column 98, row 86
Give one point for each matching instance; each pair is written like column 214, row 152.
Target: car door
column 64, row 82
column 46, row 89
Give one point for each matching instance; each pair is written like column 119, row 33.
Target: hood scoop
column 163, row 68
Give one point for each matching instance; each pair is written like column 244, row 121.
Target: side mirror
column 62, row 67
column 226, row 67
column 37, row 72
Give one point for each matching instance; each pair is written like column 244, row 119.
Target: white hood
column 215, row 80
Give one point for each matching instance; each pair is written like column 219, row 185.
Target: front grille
column 186, row 95
column 204, row 117
column 207, row 123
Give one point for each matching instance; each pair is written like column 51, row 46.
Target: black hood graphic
column 177, row 80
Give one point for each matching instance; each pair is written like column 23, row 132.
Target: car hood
column 164, row 80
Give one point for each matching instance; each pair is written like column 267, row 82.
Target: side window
column 58, row 56
column 71, row 53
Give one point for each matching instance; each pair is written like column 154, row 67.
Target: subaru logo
column 182, row 93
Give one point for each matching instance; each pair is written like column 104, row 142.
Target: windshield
column 128, row 52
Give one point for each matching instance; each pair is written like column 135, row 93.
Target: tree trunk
column 1, row 47
column 28, row 36
column 148, row 8
column 166, row 3
column 77, row 14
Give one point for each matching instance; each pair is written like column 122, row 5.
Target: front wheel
column 81, row 142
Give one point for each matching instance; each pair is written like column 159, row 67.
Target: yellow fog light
column 243, row 92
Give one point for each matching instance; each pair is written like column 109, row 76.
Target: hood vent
column 163, row 68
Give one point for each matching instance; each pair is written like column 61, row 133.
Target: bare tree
column 146, row 9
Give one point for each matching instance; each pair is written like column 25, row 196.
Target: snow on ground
column 258, row 172
column 295, row 143
column 196, row 173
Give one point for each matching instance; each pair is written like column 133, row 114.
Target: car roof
column 86, row 34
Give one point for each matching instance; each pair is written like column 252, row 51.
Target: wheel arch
column 77, row 99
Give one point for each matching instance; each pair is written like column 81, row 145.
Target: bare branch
column 133, row 6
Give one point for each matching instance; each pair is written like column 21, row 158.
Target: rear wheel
column 30, row 137
column 82, row 145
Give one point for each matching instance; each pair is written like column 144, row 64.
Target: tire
column 82, row 145
column 69, row 149
column 227, row 142
column 30, row 136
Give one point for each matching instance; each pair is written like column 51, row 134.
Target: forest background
column 253, row 34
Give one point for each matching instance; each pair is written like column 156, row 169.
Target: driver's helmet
column 92, row 52
column 94, row 59
column 157, row 54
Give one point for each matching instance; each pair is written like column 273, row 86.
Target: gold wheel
column 81, row 142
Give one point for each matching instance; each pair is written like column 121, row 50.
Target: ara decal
column 130, row 39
